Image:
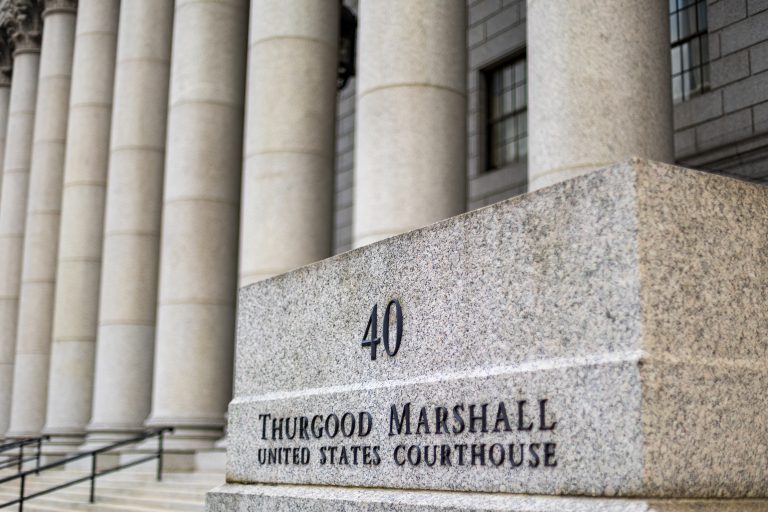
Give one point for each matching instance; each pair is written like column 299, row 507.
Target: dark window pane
column 496, row 160
column 499, row 133
column 520, row 72
column 694, row 79
column 495, row 107
column 674, row 33
column 496, row 89
column 695, row 54
column 702, row 6
column 522, row 147
column 511, row 155
column 507, row 73
column 690, row 48
column 506, row 103
column 507, row 119
column 520, row 97
column 676, row 60
column 510, row 129
column 685, row 50
column 677, row 89
column 686, row 86
column 687, row 22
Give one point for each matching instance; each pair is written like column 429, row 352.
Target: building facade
column 157, row 155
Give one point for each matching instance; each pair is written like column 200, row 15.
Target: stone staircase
column 129, row 491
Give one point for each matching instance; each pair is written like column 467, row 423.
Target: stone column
column 411, row 116
column 198, row 273
column 33, row 339
column 85, row 176
column 131, row 236
column 287, row 196
column 599, row 86
column 22, row 20
column 6, row 371
column 6, row 70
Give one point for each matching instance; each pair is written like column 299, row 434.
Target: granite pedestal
column 600, row 344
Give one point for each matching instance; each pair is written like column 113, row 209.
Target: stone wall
column 724, row 130
column 496, row 33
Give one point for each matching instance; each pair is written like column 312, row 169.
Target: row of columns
column 121, row 315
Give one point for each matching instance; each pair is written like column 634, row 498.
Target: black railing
column 94, row 474
column 18, row 459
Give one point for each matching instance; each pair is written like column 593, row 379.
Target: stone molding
column 66, row 6
column 22, row 21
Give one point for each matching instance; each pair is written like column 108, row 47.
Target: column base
column 100, row 436
column 173, row 462
column 546, row 178
column 260, row 497
column 61, row 445
column 189, row 448
column 104, row 461
column 187, row 436
column 213, row 460
column 21, row 434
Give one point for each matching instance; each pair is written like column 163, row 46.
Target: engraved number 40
column 372, row 330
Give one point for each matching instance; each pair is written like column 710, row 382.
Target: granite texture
column 630, row 299
column 252, row 498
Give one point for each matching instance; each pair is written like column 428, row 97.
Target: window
column 690, row 48
column 507, row 114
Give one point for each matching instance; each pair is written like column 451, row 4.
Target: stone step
column 129, row 492
column 80, row 500
column 157, row 498
column 60, row 505
column 137, row 478
column 179, row 488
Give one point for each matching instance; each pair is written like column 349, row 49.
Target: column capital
column 52, row 6
column 22, row 21
column 6, row 59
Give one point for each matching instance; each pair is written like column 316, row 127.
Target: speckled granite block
column 298, row 498
column 620, row 317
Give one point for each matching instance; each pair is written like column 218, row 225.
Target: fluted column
column 85, row 175
column 131, row 235
column 33, row 339
column 22, row 20
column 411, row 116
column 198, row 273
column 287, row 196
column 599, row 86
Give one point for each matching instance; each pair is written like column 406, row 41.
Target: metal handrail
column 16, row 441
column 94, row 474
column 19, row 460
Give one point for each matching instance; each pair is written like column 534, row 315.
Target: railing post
column 21, row 494
column 39, row 448
column 21, row 455
column 93, row 477
column 160, row 456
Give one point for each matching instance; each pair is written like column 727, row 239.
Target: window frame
column 701, row 38
column 487, row 121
